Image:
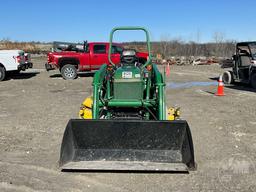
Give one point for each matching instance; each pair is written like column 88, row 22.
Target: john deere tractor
column 125, row 125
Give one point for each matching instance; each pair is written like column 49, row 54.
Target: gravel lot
column 36, row 106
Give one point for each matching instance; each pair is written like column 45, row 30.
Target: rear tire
column 253, row 81
column 2, row 73
column 69, row 72
column 227, row 77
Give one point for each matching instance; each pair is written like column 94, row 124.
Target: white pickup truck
column 13, row 60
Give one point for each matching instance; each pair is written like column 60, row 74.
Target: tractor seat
column 128, row 57
column 245, row 60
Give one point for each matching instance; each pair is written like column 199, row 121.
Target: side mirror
column 85, row 45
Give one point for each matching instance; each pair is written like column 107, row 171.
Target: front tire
column 227, row 77
column 2, row 73
column 253, row 81
column 69, row 72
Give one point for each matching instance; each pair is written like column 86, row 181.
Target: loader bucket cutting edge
column 127, row 145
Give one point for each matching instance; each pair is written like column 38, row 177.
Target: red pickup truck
column 84, row 57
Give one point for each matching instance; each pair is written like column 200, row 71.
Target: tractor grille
column 128, row 90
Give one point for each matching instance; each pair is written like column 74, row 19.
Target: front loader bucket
column 127, row 145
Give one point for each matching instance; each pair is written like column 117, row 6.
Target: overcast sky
column 92, row 20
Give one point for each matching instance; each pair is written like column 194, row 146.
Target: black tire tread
column 68, row 66
column 2, row 70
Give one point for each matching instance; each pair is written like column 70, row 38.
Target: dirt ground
column 36, row 106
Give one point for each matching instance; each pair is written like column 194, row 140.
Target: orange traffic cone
column 220, row 90
column 168, row 71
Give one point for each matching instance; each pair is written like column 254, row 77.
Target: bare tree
column 165, row 45
column 218, row 38
column 198, row 36
column 176, row 47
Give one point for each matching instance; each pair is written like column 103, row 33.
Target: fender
column 68, row 60
column 1, row 65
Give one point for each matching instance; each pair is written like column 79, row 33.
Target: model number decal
column 127, row 74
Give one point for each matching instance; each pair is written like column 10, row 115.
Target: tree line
column 166, row 48
column 172, row 48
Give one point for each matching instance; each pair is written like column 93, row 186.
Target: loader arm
column 97, row 83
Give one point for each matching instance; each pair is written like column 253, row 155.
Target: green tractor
column 126, row 125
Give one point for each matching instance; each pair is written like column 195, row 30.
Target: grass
column 26, row 46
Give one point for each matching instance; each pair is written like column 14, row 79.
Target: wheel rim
column 69, row 72
column 1, row 74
